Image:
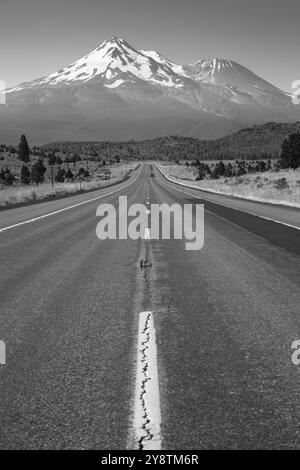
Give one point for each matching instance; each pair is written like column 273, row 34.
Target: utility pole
column 86, row 159
column 52, row 176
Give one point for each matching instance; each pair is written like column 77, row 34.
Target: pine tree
column 75, row 158
column 69, row 175
column 81, row 173
column 228, row 171
column 2, row 175
column 290, row 152
column 262, row 166
column 214, row 174
column 221, row 168
column 241, row 171
column 25, row 175
column 51, row 158
column 38, row 171
column 23, row 149
column 60, row 175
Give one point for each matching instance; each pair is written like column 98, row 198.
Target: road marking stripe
column 147, row 416
column 69, row 207
column 224, row 205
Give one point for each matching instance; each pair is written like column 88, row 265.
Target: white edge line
column 224, row 205
column 69, row 207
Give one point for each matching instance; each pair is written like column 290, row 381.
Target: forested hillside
column 262, row 141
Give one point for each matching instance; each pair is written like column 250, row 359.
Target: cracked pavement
column 225, row 319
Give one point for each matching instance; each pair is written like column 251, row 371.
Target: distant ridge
column 262, row 141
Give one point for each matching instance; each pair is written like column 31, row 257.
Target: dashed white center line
column 147, row 234
column 147, row 416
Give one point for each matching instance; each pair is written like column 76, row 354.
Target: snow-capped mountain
column 118, row 92
column 113, row 62
column 229, row 73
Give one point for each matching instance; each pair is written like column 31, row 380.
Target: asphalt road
column 225, row 319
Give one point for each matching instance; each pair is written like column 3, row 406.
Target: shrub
column 6, row 177
column 281, row 183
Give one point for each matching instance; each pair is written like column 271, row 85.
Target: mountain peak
column 114, row 41
column 115, row 62
column 116, row 90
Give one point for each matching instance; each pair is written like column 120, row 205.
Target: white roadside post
column 2, row 353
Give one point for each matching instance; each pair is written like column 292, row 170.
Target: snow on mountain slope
column 162, row 60
column 115, row 63
column 117, row 92
column 114, row 57
column 228, row 73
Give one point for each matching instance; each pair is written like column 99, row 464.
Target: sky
column 38, row 37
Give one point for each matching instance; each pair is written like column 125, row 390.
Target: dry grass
column 23, row 194
column 255, row 186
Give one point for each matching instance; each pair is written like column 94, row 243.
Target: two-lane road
column 225, row 319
